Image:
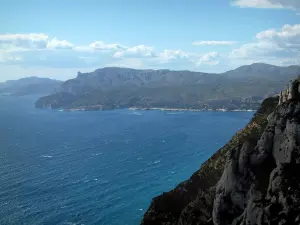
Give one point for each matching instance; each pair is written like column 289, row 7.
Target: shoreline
column 160, row 109
column 192, row 110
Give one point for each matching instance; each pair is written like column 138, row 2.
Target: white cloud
column 280, row 47
column 141, row 50
column 287, row 37
column 200, row 43
column 23, row 41
column 284, row 42
column 168, row 55
column 39, row 52
column 40, row 49
column 33, row 41
column 208, row 59
column 32, row 37
column 272, row 4
column 254, row 49
column 101, row 46
column 118, row 54
column 136, row 51
column 57, row 44
column 257, row 4
column 118, row 50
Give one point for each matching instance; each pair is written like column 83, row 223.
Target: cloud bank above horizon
column 280, row 47
column 41, row 54
column 268, row 4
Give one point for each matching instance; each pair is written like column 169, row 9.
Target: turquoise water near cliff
column 100, row 167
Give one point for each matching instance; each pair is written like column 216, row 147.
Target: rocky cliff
column 254, row 179
column 112, row 88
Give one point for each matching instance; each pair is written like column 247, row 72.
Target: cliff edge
column 253, row 179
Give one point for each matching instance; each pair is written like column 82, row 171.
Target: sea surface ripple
column 100, row 167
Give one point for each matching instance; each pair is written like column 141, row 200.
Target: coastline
column 99, row 108
column 193, row 110
column 161, row 109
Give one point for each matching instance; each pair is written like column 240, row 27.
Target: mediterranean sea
column 99, row 167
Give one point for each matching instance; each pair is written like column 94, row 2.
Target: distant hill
column 29, row 85
column 264, row 71
column 113, row 87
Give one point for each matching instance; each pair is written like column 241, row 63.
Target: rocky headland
column 114, row 88
column 253, row 179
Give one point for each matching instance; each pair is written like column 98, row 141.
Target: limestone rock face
column 261, row 183
column 253, row 180
column 292, row 91
column 191, row 202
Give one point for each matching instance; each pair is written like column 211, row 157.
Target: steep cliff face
column 261, row 183
column 191, row 202
column 254, row 179
column 112, row 88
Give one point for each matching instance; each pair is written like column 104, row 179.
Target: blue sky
column 58, row 38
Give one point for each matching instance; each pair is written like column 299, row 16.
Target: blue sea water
column 100, row 167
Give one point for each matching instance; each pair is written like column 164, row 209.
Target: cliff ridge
column 253, row 179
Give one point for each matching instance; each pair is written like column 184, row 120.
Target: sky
column 56, row 39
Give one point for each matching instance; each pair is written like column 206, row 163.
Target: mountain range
column 29, row 85
column 113, row 87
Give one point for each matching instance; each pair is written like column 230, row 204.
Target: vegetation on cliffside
column 192, row 200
